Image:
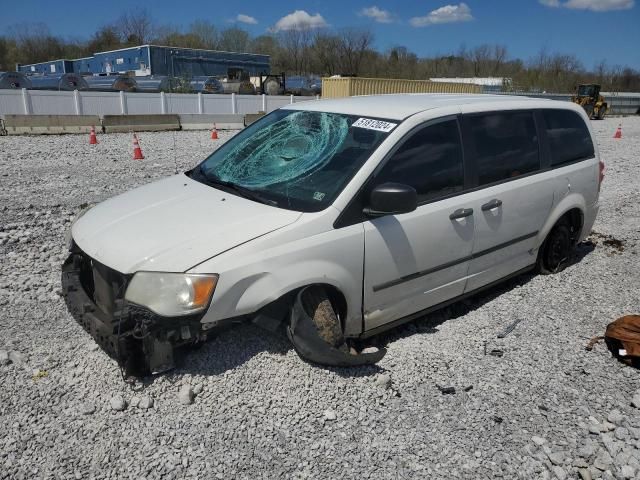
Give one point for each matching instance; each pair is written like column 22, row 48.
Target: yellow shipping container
column 350, row 86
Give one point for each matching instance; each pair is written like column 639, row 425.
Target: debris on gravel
column 538, row 440
column 329, row 415
column 117, row 403
column 383, row 381
column 16, row 358
column 185, row 395
column 260, row 410
column 145, row 403
column 87, row 408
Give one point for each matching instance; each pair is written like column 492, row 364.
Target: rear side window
column 569, row 138
column 430, row 161
column 506, row 145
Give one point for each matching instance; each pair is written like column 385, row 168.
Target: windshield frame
column 288, row 202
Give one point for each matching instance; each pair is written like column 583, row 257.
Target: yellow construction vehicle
column 588, row 97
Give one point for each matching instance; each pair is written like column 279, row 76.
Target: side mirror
column 391, row 199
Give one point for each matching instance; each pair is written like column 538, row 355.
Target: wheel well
column 338, row 302
column 336, row 297
column 281, row 307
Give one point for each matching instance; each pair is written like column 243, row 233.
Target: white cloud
column 299, row 20
column 242, row 18
column 377, row 14
column 446, row 14
column 594, row 5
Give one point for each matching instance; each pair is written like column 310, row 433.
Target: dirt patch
column 614, row 245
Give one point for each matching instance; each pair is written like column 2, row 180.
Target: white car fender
column 569, row 202
column 262, row 271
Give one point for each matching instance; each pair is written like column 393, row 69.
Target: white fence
column 49, row 102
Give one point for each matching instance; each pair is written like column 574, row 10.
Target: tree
column 205, row 33
column 106, row 38
column 323, row 53
column 296, row 42
column 234, row 39
column 498, row 59
column 352, row 47
column 136, row 27
column 402, row 63
column 480, row 58
column 4, row 55
column 34, row 43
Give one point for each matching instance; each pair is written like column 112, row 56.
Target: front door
column 419, row 259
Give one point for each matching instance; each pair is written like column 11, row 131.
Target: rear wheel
column 554, row 253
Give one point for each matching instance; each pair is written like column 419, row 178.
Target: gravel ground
column 245, row 406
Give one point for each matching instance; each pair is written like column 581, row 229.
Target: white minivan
column 338, row 219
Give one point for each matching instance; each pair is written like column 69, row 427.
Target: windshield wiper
column 239, row 189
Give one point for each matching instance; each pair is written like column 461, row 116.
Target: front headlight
column 171, row 294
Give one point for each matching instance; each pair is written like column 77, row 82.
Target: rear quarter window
column 568, row 136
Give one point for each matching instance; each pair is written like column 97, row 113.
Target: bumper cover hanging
column 304, row 336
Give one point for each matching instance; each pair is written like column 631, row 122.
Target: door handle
column 461, row 213
column 495, row 203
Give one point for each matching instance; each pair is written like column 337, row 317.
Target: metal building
column 48, row 68
column 158, row 60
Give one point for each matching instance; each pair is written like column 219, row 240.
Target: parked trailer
column 207, row 85
column 60, row 81
column 242, row 87
column 153, row 83
column 301, row 85
column 111, row 83
column 272, row 85
column 14, row 80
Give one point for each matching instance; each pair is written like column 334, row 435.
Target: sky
column 593, row 30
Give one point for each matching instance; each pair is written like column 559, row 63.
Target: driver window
column 430, row 161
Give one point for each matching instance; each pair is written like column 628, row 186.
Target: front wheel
column 318, row 306
column 602, row 111
column 589, row 109
column 554, row 253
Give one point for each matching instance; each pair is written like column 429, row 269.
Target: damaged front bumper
column 141, row 341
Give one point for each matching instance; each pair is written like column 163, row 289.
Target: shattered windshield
column 294, row 159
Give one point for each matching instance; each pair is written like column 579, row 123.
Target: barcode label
column 372, row 124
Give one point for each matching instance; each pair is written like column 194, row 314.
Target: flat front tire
column 318, row 306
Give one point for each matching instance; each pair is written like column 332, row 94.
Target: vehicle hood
column 172, row 225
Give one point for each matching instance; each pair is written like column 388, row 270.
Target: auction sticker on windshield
column 372, row 124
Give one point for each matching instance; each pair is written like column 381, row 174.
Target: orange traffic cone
column 137, row 151
column 214, row 133
column 618, row 133
column 93, row 140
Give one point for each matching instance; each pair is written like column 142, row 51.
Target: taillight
column 601, row 176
